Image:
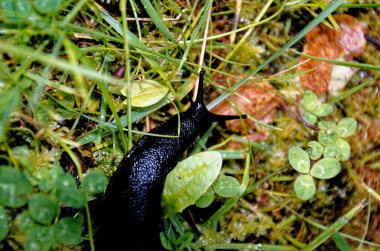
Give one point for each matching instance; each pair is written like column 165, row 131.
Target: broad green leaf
column 8, row 102
column 316, row 150
column 43, row 179
column 4, row 223
column 67, row 192
column 47, row 6
column 304, row 187
column 312, row 119
column 309, row 101
column 42, row 209
column 94, row 183
column 344, row 149
column 331, row 151
column 328, row 126
column 23, row 221
column 16, row 10
column 68, row 230
column 23, row 156
column 206, row 199
column 14, row 187
column 323, row 110
column 38, row 238
column 145, row 92
column 189, row 180
column 165, row 242
column 327, row 139
column 299, row 159
column 325, row 168
column 347, row 127
column 226, row 186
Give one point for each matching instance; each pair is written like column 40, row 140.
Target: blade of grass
column 333, row 228
column 349, row 92
column 340, row 242
column 332, row 7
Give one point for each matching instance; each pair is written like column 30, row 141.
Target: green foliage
column 226, row 186
column 8, row 103
column 38, row 195
column 189, row 180
column 145, row 92
column 327, row 151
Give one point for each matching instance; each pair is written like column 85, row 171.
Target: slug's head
column 201, row 109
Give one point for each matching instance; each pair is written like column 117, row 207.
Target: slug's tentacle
column 132, row 198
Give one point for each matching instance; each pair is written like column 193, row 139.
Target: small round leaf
column 309, row 101
column 328, row 126
column 206, row 199
column 42, row 209
column 68, row 231
column 299, row 159
column 14, row 188
column 189, row 180
column 23, row 221
column 327, row 139
column 316, row 150
column 331, row 151
column 38, row 238
column 145, row 92
column 94, row 183
column 47, row 6
column 323, row 110
column 226, row 186
column 71, row 197
column 344, row 149
column 304, row 187
column 312, row 119
column 325, row 168
column 4, row 223
column 347, row 127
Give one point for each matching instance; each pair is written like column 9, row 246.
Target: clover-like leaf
column 42, row 209
column 304, row 187
column 23, row 221
column 68, row 230
column 325, row 168
column 189, row 180
column 326, row 138
column 94, row 183
column 206, row 199
column 14, row 187
column 344, row 150
column 347, row 127
column 331, row 151
column 316, row 150
column 226, row 186
column 328, row 126
column 4, row 223
column 323, row 110
column 312, row 119
column 145, row 92
column 38, row 238
column 309, row 101
column 299, row 159
column 47, row 6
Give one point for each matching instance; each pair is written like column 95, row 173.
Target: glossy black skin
column 132, row 209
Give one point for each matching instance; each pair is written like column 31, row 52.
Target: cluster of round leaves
column 30, row 205
column 327, row 152
column 195, row 181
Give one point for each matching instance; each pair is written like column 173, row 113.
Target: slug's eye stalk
column 212, row 116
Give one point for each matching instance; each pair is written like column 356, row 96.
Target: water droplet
column 258, row 247
column 344, row 219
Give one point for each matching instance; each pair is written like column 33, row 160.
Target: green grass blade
column 331, row 8
column 157, row 20
column 340, row 242
column 333, row 228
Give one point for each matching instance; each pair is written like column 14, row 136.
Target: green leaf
column 328, row 126
column 42, row 209
column 327, row 139
column 340, row 242
column 68, row 230
column 316, row 150
column 14, row 188
column 4, row 223
column 43, row 179
column 15, row 11
column 347, row 127
column 226, row 186
column 312, row 119
column 184, row 240
column 38, row 238
column 47, row 6
column 304, row 187
column 8, row 102
column 145, row 92
column 325, row 168
column 309, row 101
column 67, row 192
column 323, row 110
column 299, row 159
column 206, row 199
column 331, row 151
column 189, row 180
column 344, row 150
column 94, row 183
column 23, row 221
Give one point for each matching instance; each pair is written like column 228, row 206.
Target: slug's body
column 132, row 206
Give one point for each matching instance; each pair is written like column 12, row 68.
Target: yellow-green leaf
column 145, row 92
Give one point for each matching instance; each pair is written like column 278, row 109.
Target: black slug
column 132, row 209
